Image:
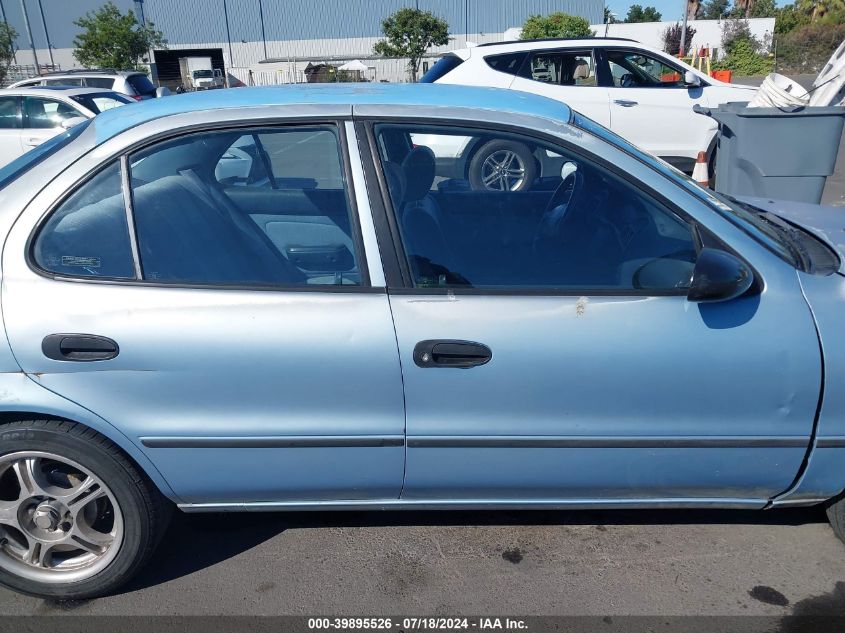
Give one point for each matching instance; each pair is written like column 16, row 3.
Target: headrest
column 418, row 168
column 395, row 183
column 582, row 70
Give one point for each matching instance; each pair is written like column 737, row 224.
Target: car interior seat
column 189, row 231
column 420, row 220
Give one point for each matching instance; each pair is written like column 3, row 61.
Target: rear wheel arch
column 127, row 448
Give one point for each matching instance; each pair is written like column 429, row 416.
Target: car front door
column 42, row 119
column 11, row 145
column 568, row 75
column 230, row 326
column 550, row 354
column 651, row 106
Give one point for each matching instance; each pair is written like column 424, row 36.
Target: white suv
column 134, row 84
column 642, row 94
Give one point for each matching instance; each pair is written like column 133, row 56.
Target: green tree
column 610, row 17
column 409, row 33
column 763, row 9
column 715, row 9
column 8, row 35
column 111, row 39
column 638, row 13
column 559, row 24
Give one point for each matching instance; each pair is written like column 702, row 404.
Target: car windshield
column 202, row 74
column 27, row 161
column 772, row 234
column 102, row 101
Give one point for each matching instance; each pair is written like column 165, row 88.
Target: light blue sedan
column 295, row 299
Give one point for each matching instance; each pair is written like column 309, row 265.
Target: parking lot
column 548, row 563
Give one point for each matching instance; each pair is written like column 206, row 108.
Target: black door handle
column 445, row 353
column 79, row 347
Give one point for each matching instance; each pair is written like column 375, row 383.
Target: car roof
column 546, row 43
column 110, row 123
column 52, row 91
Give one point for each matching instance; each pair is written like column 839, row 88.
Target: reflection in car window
column 46, row 113
column 87, row 235
column 9, row 113
column 498, row 210
column 754, row 226
column 635, row 70
column 261, row 208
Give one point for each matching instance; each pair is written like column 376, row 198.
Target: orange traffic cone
column 700, row 172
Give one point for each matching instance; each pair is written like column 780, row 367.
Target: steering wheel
column 562, row 198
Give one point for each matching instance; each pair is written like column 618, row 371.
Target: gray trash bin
column 779, row 153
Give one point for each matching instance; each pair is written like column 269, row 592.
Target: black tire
column 836, row 516
column 522, row 152
column 145, row 511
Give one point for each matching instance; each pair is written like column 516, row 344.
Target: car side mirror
column 72, row 122
column 691, row 79
column 718, row 276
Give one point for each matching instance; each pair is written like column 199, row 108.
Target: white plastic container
column 778, row 91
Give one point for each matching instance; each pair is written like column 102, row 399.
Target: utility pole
column 29, row 33
column 261, row 17
column 682, row 51
column 228, row 34
column 46, row 35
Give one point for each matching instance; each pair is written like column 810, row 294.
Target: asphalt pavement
column 775, row 563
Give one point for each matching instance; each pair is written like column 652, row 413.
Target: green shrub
column 744, row 59
column 558, row 24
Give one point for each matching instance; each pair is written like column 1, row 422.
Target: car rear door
column 568, row 75
column 651, row 106
column 542, row 361
column 223, row 317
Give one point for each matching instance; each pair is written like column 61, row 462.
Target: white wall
column 708, row 33
column 247, row 56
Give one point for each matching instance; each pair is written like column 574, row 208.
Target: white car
column 642, row 94
column 29, row 116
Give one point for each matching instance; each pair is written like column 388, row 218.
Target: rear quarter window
column 509, row 63
column 141, row 84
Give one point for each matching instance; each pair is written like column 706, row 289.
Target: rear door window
column 562, row 67
column 99, row 82
column 66, row 81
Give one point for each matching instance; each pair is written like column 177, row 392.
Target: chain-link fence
column 17, row 72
